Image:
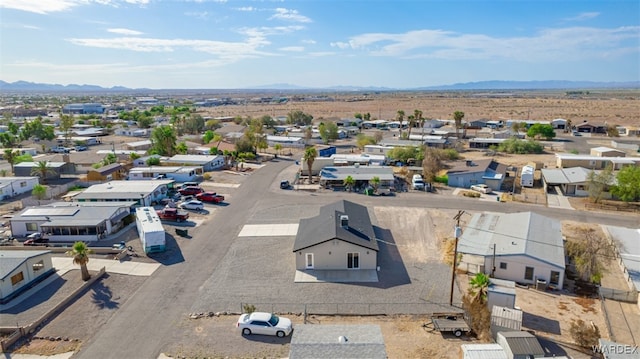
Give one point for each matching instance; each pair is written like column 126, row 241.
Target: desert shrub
column 585, row 335
column 207, row 176
column 441, row 179
column 479, row 315
column 471, row 194
column 451, row 154
column 248, row 308
column 514, row 145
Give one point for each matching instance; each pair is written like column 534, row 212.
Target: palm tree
column 375, row 183
column 400, row 118
column 10, row 155
column 412, row 121
column 457, row 117
column 310, row 155
column 80, row 253
column 349, row 182
column 278, row 148
column 479, row 286
column 42, row 170
column 417, row 116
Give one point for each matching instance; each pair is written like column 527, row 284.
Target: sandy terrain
column 613, row 107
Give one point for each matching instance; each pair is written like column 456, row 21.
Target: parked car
column 59, row 149
column 191, row 190
column 36, row 239
column 190, row 184
column 212, row 197
column 482, row 188
column 173, row 214
column 417, row 182
column 80, row 148
column 284, row 184
column 193, row 204
column 265, row 324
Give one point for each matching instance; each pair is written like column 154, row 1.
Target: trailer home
column 150, row 230
column 526, row 178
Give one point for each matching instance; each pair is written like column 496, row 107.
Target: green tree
column 163, row 141
column 628, row 184
column 310, row 154
column 514, row 145
column 80, row 253
column 208, row 136
column 541, row 130
column 324, row 133
column 8, row 140
column 332, row 131
column 417, row 118
column 349, row 182
column 11, row 155
column 66, row 123
column 599, row 182
column 586, row 251
column 42, row 170
column 431, row 164
column 39, row 192
column 153, row 161
column 457, row 118
column 299, row 118
column 182, row 148
column 363, row 140
column 109, row 159
column 278, row 148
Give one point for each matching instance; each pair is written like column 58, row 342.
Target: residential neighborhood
column 336, row 233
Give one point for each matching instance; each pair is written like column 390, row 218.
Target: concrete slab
column 336, row 276
column 269, row 230
column 63, row 264
column 34, row 356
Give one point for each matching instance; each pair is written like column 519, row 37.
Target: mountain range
column 24, row 86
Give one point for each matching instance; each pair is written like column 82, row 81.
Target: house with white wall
column 142, row 192
column 20, row 269
column 523, row 247
column 207, row 162
column 15, row 186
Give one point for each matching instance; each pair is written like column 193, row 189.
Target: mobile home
column 150, row 230
column 526, row 178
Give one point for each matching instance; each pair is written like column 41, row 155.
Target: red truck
column 212, row 197
column 173, row 214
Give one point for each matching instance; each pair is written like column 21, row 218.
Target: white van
column 417, row 182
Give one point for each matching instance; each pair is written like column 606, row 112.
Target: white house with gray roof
column 335, row 176
column 341, row 239
column 19, row 269
column 207, row 162
column 572, row 181
column 14, row 186
column 143, row 192
column 176, row 173
column 528, row 247
column 71, row 221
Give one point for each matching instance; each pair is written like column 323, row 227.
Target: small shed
column 520, row 345
column 606, row 152
column 310, row 341
column 113, row 171
column 505, row 319
column 483, row 351
column 502, row 293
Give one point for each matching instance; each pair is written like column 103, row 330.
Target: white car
column 482, row 188
column 265, row 324
column 417, row 183
column 192, row 204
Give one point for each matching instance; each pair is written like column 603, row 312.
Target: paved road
column 146, row 323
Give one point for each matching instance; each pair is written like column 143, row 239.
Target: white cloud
column 125, row 32
column 246, row 8
column 321, row 54
column 550, row 44
column 583, row 16
column 40, row 6
column 198, row 14
column 292, row 48
column 310, row 42
column 289, row 15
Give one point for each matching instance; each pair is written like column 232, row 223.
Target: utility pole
column 493, row 268
column 457, row 232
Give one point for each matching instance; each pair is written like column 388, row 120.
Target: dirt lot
column 613, row 107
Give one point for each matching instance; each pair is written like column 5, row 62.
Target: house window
column 353, row 260
column 23, row 184
column 16, row 279
column 528, row 273
column 37, row 266
column 32, row 227
column 309, row 260
column 555, row 278
column 503, row 265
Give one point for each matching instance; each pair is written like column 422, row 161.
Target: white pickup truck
column 60, row 149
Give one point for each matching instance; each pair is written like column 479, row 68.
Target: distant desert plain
column 601, row 106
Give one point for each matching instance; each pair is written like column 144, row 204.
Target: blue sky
column 316, row 43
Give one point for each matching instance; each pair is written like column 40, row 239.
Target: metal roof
column 358, row 173
column 627, row 241
column 522, row 343
column 569, row 175
column 483, row 351
column 201, row 159
column 72, row 213
column 326, row 226
column 123, row 189
column 337, row 341
column 10, row 260
column 504, row 317
column 535, row 236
